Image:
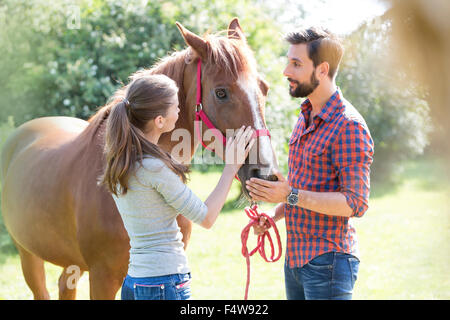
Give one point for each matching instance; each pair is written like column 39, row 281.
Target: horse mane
column 232, row 56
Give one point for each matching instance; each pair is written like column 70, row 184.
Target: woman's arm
column 217, row 198
column 235, row 154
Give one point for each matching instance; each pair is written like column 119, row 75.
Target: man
column 330, row 153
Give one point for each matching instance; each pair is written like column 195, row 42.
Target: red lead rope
column 254, row 215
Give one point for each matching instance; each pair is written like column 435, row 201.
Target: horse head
column 233, row 93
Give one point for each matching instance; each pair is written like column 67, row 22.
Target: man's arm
column 352, row 157
column 331, row 203
column 279, row 212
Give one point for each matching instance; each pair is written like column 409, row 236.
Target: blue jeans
column 330, row 276
column 169, row 287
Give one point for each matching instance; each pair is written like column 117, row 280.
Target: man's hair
column 322, row 46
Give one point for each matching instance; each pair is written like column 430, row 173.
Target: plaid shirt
column 333, row 154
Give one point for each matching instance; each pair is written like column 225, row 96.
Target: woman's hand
column 237, row 148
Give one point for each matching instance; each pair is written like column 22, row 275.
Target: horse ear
column 235, row 30
column 198, row 44
column 263, row 86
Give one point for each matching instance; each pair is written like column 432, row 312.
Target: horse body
column 48, row 200
column 63, row 212
column 51, row 203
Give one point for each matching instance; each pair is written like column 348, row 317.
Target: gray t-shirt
column 155, row 197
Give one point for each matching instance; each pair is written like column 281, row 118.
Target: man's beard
column 304, row 89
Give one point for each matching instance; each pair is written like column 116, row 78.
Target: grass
column 404, row 243
column 405, row 239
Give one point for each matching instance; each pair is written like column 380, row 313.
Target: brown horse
column 51, row 203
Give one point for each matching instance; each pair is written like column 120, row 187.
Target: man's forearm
column 330, row 203
column 279, row 212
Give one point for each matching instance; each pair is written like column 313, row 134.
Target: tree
column 392, row 104
column 73, row 57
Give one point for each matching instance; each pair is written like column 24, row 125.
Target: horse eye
column 221, row 94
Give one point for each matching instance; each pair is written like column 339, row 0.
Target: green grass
column 405, row 240
column 404, row 243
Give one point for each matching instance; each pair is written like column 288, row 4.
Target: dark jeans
column 329, row 276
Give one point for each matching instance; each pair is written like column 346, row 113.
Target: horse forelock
column 232, row 56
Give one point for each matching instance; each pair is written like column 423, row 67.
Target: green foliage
column 70, row 69
column 69, row 59
column 393, row 106
column 62, row 62
column 6, row 245
column 68, row 66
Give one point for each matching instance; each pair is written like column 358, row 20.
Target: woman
column 148, row 187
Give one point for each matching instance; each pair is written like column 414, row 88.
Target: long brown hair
column 146, row 98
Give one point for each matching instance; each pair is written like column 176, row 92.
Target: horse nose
column 271, row 177
column 256, row 173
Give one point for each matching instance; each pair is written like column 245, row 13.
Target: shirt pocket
column 315, row 156
column 319, row 164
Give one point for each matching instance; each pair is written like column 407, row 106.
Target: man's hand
column 262, row 226
column 269, row 191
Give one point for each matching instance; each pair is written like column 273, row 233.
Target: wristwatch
column 292, row 198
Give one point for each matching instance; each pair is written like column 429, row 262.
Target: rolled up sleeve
column 352, row 155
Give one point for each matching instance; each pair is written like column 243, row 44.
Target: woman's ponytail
column 118, row 148
column 125, row 141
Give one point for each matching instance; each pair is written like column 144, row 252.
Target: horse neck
column 90, row 142
column 183, row 74
column 174, row 67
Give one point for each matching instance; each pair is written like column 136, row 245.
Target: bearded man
column 328, row 184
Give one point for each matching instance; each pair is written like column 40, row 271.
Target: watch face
column 292, row 199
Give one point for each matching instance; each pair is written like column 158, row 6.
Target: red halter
column 200, row 115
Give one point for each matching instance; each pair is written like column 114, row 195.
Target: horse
column 52, row 205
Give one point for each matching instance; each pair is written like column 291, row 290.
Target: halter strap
column 200, row 115
column 199, row 83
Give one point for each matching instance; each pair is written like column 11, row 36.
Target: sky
column 339, row 16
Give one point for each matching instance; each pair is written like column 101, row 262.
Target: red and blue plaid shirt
column 333, row 154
